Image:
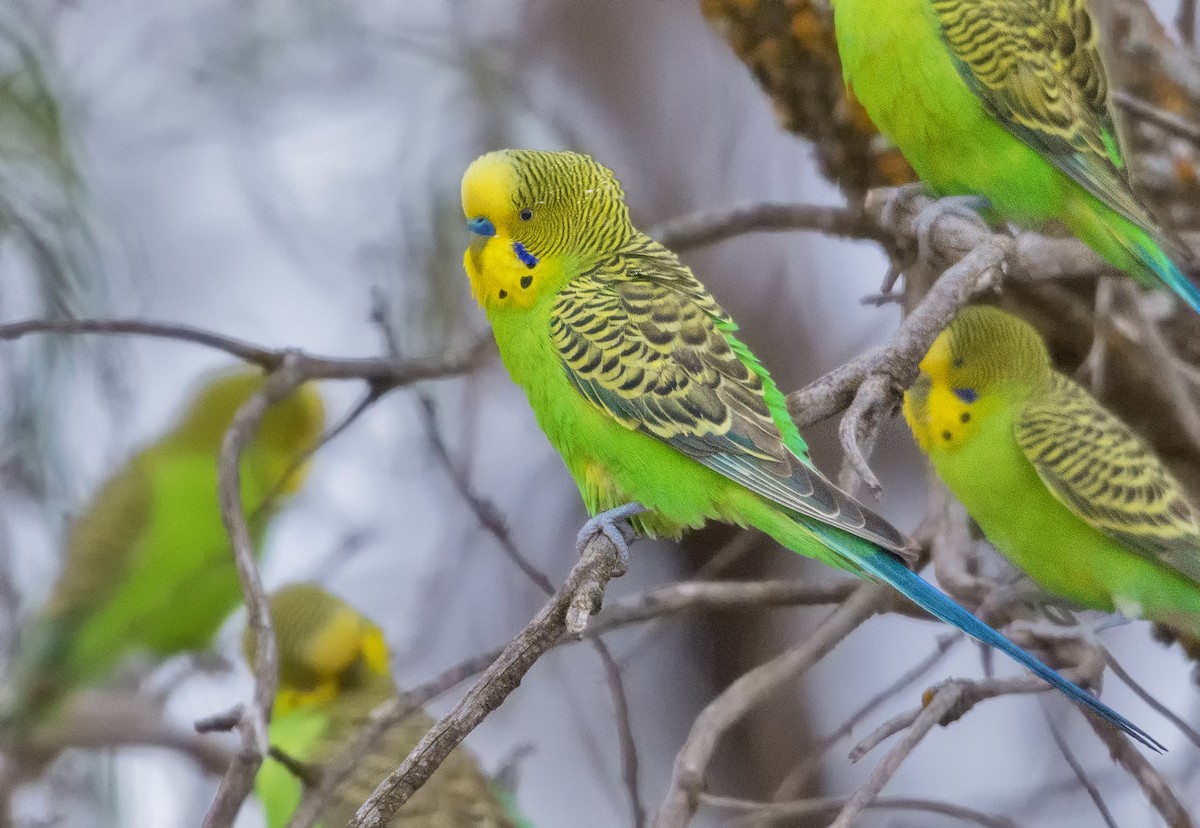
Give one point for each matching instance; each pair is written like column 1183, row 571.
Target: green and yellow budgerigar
column 1008, row 100
column 1058, row 484
column 333, row 671
column 637, row 377
column 148, row 566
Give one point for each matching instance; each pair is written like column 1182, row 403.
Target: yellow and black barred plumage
column 1103, row 472
column 642, row 339
column 1037, row 67
column 333, row 669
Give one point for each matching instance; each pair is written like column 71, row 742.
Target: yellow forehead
column 488, row 186
column 937, row 361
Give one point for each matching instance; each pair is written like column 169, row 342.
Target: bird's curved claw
column 900, row 254
column 614, row 525
column 966, row 207
column 1085, row 631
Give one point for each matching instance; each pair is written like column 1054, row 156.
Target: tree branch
column 252, row 723
column 571, row 605
column 750, row 689
column 711, row 226
column 381, row 372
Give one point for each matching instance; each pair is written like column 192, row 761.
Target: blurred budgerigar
column 1056, row 482
column 333, row 671
column 148, row 566
column 638, row 379
column 1008, row 100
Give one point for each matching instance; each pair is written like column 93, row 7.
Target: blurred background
column 276, row 171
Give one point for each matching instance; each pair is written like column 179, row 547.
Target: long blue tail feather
column 890, row 569
column 1161, row 265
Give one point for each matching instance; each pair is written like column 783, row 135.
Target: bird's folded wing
column 662, row 360
column 1037, row 69
column 1100, row 470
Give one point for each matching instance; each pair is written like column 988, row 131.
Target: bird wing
column 103, row 541
column 658, row 354
column 1100, row 470
column 1036, row 66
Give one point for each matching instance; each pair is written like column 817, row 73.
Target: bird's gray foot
column 899, row 197
column 614, row 525
column 1086, row 631
column 966, row 207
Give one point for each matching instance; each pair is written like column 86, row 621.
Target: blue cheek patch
column 527, row 258
column 967, row 395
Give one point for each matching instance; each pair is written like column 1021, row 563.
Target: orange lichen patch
column 895, row 169
column 1185, row 171
column 790, row 48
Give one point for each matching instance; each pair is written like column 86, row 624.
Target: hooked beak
column 480, row 226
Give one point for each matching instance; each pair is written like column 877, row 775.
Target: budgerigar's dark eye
column 526, row 214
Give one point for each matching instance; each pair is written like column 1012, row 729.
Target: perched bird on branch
column 1057, row 483
column 148, row 566
column 1006, row 102
column 333, row 672
column 637, row 378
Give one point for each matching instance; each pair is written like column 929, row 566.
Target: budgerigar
column 148, row 565
column 1058, row 484
column 636, row 376
column 333, row 671
column 1008, row 100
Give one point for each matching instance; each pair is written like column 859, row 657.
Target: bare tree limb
column 1169, row 121
column 1152, row 783
column 584, row 587
column 1088, row 785
column 795, row 780
column 687, row 780
column 712, row 226
column 766, row 813
column 252, row 724
column 382, row 372
column 882, row 386
column 1144, row 694
column 718, row 595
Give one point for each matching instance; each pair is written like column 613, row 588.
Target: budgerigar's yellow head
column 531, row 215
column 326, row 648
column 289, row 428
column 984, row 358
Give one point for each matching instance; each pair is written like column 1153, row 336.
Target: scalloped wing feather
column 1103, row 472
column 1036, row 65
column 643, row 341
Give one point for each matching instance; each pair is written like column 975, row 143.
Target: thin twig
column 1152, row 783
column 879, row 393
column 945, row 700
column 629, row 755
column 688, row 596
column 1148, row 112
column 1145, row 695
column 252, row 724
column 687, row 779
column 712, row 226
column 336, row 772
column 584, row 587
column 1088, row 785
column 770, row 812
column 493, row 522
column 382, row 372
column 794, row 781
